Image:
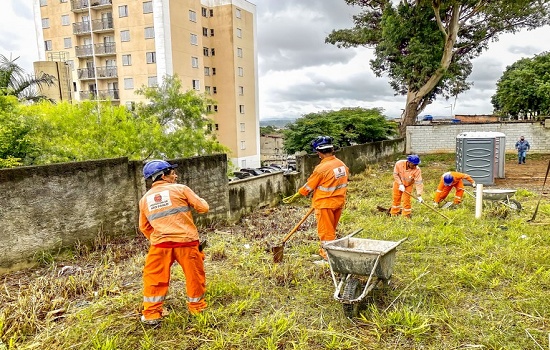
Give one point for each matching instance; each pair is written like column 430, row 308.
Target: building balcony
column 82, row 5
column 81, row 28
column 107, row 49
column 102, row 73
column 103, row 95
column 97, row 26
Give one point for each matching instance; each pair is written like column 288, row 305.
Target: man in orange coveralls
column 406, row 173
column 165, row 219
column 329, row 182
column 448, row 181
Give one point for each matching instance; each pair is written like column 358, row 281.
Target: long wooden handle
column 298, row 225
column 427, row 205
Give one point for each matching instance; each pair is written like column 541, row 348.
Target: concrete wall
column 441, row 138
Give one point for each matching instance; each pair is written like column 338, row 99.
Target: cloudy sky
column 299, row 73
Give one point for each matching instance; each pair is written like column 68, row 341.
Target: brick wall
column 441, row 138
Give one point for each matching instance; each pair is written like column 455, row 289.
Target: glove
column 290, row 199
column 474, row 185
column 419, row 199
column 402, row 188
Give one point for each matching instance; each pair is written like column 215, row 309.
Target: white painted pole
column 479, row 200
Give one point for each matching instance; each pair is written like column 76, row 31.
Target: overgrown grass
column 471, row 284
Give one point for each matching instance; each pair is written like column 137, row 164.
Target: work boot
column 153, row 323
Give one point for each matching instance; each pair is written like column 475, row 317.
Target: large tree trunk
column 410, row 113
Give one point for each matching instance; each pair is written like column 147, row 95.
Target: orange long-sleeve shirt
column 165, row 213
column 408, row 177
column 329, row 182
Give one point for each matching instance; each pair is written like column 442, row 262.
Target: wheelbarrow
column 500, row 197
column 357, row 266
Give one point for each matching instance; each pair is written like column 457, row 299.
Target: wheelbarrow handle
column 427, row 205
column 288, row 235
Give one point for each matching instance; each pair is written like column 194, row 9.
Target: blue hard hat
column 413, row 158
column 448, row 179
column 322, row 142
column 156, row 166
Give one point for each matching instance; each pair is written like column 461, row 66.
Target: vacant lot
column 463, row 284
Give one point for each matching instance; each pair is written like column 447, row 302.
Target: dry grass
column 472, row 284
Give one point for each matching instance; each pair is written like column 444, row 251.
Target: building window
column 195, row 62
column 126, row 60
column 204, row 12
column 62, row 0
column 151, row 57
column 242, row 127
column 239, row 52
column 192, row 16
column 65, row 21
column 213, row 52
column 241, row 90
column 204, row 31
column 196, row 84
column 205, row 51
column 214, row 90
column 217, row 127
column 243, row 145
column 207, row 89
column 209, row 108
column 211, row 12
column 147, row 7
column 128, row 83
column 211, row 32
column 215, row 108
column 67, row 43
column 45, row 23
column 70, row 63
column 240, row 71
column 130, row 105
column 207, row 71
column 43, row 2
column 123, row 11
column 149, row 32
column 213, row 71
column 239, row 33
column 241, row 109
column 124, row 35
column 238, row 13
column 194, row 39
column 152, row 81
column 48, row 45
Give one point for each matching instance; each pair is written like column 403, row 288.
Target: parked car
column 241, row 174
column 252, row 171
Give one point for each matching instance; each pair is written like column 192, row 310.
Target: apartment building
column 110, row 48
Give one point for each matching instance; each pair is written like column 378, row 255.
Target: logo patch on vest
column 339, row 172
column 159, row 200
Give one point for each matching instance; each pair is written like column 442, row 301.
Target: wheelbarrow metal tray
column 498, row 194
column 357, row 256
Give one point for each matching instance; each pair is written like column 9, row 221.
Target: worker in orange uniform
column 328, row 182
column 406, row 173
column 165, row 219
column 448, row 181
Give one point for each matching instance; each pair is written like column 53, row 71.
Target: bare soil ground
column 529, row 176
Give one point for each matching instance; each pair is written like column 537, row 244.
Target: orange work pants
column 397, row 196
column 327, row 220
column 444, row 192
column 156, row 278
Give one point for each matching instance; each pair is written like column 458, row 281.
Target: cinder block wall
column 441, row 138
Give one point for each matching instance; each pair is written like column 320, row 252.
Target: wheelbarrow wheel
column 352, row 290
column 514, row 205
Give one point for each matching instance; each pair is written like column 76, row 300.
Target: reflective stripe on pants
column 327, row 220
column 397, row 196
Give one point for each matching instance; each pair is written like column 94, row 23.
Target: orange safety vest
column 165, row 213
column 457, row 177
column 408, row 177
column 329, row 181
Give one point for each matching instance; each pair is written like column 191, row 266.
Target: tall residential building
column 111, row 48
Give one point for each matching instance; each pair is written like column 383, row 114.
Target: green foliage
column 186, row 129
column 270, row 129
column 14, row 81
column 426, row 47
column 346, row 126
column 524, row 88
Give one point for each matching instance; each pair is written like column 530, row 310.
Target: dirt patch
column 528, row 176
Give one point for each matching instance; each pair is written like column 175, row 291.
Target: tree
column 187, row 131
column 523, row 91
column 14, row 81
column 426, row 46
column 269, row 129
column 346, row 126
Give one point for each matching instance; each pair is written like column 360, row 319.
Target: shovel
column 278, row 250
column 427, row 205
